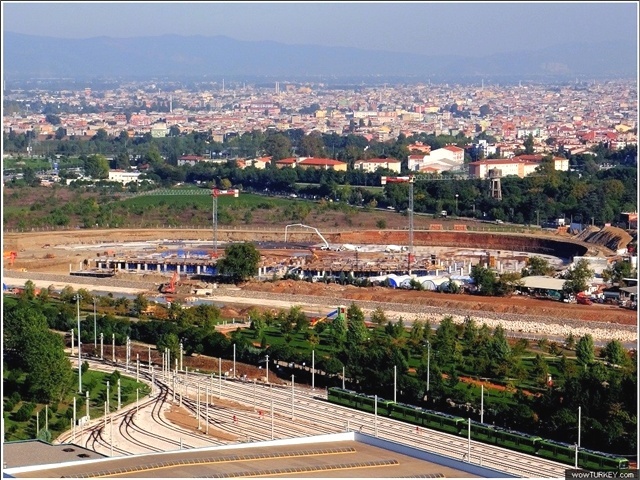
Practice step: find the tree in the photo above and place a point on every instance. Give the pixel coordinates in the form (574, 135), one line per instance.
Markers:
(31, 347)
(618, 271)
(356, 329)
(240, 261)
(485, 279)
(585, 350)
(614, 352)
(52, 119)
(140, 303)
(379, 317)
(577, 277)
(536, 266)
(528, 145)
(277, 146)
(96, 166)
(61, 132)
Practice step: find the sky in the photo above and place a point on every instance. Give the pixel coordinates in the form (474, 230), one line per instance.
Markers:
(430, 28)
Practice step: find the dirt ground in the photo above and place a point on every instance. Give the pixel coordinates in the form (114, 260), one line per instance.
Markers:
(43, 252)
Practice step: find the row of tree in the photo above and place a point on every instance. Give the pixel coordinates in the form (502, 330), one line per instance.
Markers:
(607, 395)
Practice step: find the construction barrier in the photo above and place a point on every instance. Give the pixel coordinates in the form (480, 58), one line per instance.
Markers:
(460, 228)
(435, 226)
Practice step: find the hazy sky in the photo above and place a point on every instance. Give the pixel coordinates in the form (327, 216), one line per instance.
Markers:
(419, 27)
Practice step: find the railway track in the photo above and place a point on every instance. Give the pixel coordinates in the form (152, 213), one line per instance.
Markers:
(248, 416)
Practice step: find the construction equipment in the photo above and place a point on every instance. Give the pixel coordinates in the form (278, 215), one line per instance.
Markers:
(582, 299)
(339, 312)
(171, 286)
(11, 256)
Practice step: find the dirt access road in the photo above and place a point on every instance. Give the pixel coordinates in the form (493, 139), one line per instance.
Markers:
(45, 252)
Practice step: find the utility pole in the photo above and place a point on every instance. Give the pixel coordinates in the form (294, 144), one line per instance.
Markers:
(215, 193)
(410, 180)
(95, 325)
(79, 347)
(313, 369)
(395, 377)
(428, 361)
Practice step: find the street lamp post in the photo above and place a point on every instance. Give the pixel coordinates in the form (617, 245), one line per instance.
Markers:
(101, 346)
(482, 403)
(428, 363)
(271, 391)
(234, 360)
(79, 346)
(578, 444)
(95, 326)
(456, 204)
(267, 356)
(313, 369)
(293, 417)
(395, 382)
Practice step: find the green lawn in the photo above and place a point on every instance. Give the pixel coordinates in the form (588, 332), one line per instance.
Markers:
(244, 201)
(60, 414)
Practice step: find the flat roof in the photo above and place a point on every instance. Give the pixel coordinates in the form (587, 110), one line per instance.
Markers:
(538, 281)
(36, 452)
(291, 458)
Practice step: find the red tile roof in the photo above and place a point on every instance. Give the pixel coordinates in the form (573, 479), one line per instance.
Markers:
(320, 161)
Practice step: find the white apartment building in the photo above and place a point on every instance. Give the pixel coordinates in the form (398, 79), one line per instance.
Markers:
(373, 164)
(124, 177)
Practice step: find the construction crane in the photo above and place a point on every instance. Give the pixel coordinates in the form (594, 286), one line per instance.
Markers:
(215, 193)
(410, 180)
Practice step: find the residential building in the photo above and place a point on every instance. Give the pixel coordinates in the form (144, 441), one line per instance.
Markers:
(372, 164)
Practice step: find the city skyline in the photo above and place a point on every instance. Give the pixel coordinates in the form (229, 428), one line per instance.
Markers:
(427, 28)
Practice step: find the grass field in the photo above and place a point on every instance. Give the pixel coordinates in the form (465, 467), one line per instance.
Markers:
(244, 201)
(58, 416)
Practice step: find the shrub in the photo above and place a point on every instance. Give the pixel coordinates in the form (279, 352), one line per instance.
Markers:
(9, 405)
(24, 412)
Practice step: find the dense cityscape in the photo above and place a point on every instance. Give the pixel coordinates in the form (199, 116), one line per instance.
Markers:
(289, 241)
(571, 116)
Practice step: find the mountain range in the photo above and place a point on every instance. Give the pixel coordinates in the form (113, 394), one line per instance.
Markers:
(32, 56)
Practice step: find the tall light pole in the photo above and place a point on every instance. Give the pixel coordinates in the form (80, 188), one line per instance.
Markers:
(343, 377)
(293, 416)
(456, 204)
(375, 415)
(271, 391)
(181, 353)
(77, 297)
(578, 444)
(234, 360)
(313, 369)
(395, 382)
(95, 325)
(215, 193)
(101, 346)
(482, 403)
(267, 356)
(428, 363)
(410, 180)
